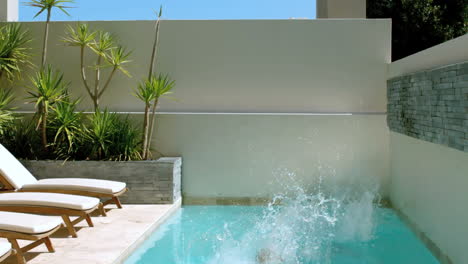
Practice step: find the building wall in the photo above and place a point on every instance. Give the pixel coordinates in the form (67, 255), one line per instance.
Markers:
(428, 181)
(341, 8)
(276, 66)
(231, 155)
(9, 10)
(428, 184)
(244, 66)
(450, 52)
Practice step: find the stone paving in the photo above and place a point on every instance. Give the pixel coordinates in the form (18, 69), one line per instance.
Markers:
(111, 241)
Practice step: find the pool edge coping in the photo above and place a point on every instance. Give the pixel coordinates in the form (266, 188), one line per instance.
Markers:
(147, 233)
(435, 250)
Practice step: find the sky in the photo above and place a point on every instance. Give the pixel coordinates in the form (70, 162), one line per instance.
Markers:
(178, 9)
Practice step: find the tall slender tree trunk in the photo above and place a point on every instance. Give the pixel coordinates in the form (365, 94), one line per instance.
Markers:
(96, 83)
(95, 103)
(83, 72)
(144, 154)
(155, 49)
(43, 63)
(46, 38)
(111, 75)
(151, 126)
(44, 126)
(154, 54)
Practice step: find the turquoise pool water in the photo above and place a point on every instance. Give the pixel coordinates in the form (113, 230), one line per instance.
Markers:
(237, 235)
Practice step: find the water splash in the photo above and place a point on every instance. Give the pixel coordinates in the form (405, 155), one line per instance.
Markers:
(302, 225)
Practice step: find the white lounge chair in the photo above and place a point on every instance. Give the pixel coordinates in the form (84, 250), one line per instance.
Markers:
(14, 176)
(5, 250)
(64, 205)
(37, 228)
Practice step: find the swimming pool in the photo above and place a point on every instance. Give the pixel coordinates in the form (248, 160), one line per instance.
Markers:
(237, 235)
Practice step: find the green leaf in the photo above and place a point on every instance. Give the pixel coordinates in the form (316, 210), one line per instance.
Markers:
(14, 54)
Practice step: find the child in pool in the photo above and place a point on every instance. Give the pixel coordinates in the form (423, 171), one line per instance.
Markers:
(266, 256)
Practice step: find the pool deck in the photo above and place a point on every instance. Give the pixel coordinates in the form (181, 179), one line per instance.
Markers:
(111, 241)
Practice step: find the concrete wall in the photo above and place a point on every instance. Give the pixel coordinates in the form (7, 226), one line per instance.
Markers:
(429, 184)
(341, 8)
(9, 10)
(245, 155)
(279, 66)
(428, 181)
(245, 66)
(450, 52)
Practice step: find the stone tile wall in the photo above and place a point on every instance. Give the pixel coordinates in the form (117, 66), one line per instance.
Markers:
(431, 105)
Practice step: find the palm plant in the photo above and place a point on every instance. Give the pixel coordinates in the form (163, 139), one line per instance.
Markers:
(6, 116)
(100, 132)
(108, 53)
(125, 142)
(146, 93)
(110, 138)
(150, 91)
(66, 124)
(22, 140)
(48, 5)
(48, 89)
(82, 37)
(6, 98)
(115, 58)
(13, 53)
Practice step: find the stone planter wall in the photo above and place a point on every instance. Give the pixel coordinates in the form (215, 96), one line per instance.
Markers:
(150, 182)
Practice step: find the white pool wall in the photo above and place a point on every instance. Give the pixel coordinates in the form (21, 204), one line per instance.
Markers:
(229, 72)
(429, 182)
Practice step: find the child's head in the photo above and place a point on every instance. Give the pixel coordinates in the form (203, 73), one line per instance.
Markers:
(266, 256)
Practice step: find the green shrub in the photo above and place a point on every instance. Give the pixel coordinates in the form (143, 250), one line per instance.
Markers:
(48, 88)
(23, 140)
(13, 53)
(126, 141)
(58, 130)
(67, 129)
(110, 138)
(6, 116)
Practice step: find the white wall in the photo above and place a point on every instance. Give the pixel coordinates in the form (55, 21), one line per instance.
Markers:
(429, 184)
(450, 52)
(247, 66)
(341, 8)
(280, 66)
(241, 155)
(428, 181)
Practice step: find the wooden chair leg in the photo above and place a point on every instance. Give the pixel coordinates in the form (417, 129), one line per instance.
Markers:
(49, 245)
(101, 208)
(18, 251)
(117, 202)
(89, 221)
(69, 225)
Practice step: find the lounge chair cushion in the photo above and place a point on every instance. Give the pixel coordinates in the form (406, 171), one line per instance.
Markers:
(28, 223)
(67, 201)
(13, 171)
(5, 247)
(90, 185)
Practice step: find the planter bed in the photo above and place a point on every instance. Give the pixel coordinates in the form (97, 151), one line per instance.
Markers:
(150, 182)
